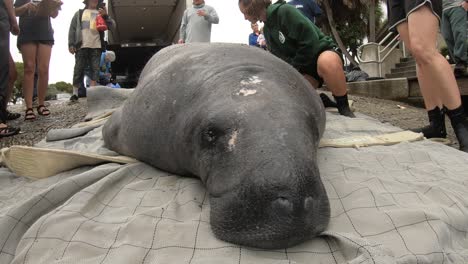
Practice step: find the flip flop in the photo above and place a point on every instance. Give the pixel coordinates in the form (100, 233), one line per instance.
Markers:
(8, 131)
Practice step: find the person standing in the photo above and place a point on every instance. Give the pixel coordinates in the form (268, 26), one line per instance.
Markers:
(7, 24)
(296, 40)
(253, 37)
(454, 30)
(87, 43)
(196, 23)
(308, 8)
(417, 22)
(35, 42)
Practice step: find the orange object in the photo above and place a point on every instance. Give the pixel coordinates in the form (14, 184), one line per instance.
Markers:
(100, 23)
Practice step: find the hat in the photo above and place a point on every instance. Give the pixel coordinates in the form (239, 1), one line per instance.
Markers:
(111, 55)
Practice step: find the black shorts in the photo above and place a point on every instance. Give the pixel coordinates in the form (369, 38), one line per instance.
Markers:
(399, 10)
(44, 42)
(312, 69)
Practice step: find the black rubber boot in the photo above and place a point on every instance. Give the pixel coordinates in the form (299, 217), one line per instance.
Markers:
(327, 102)
(460, 126)
(343, 106)
(436, 127)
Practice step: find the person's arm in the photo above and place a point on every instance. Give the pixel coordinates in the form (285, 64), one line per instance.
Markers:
(298, 28)
(212, 16)
(72, 34)
(25, 9)
(55, 10)
(14, 29)
(183, 27)
(110, 23)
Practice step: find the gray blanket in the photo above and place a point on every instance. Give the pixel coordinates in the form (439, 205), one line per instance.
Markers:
(406, 203)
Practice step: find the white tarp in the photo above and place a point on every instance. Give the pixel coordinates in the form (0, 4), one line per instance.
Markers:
(405, 203)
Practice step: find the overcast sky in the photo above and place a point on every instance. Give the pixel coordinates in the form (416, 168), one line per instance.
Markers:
(231, 28)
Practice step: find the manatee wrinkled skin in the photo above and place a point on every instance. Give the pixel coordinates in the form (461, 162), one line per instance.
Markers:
(244, 122)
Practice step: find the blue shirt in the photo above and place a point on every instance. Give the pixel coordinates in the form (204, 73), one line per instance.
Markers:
(309, 8)
(104, 67)
(253, 39)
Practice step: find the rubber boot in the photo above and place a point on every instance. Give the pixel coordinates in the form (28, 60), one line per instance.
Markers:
(343, 106)
(436, 127)
(327, 102)
(460, 126)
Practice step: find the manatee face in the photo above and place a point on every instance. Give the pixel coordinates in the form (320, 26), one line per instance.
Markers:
(244, 122)
(258, 163)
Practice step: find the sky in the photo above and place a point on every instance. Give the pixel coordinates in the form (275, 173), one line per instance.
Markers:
(231, 28)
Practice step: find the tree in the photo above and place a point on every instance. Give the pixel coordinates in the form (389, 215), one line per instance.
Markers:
(64, 87)
(358, 19)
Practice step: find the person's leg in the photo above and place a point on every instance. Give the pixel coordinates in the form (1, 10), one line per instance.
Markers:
(5, 130)
(78, 71)
(434, 72)
(12, 76)
(330, 69)
(433, 69)
(43, 60)
(4, 66)
(29, 52)
(95, 58)
(458, 17)
(446, 30)
(433, 104)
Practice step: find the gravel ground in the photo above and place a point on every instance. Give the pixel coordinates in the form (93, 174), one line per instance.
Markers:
(63, 116)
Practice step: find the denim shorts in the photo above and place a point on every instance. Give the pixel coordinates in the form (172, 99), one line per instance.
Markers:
(399, 10)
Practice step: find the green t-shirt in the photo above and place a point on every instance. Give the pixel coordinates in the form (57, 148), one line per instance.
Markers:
(293, 38)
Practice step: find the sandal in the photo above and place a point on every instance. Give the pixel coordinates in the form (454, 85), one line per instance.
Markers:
(42, 110)
(29, 115)
(8, 131)
(12, 116)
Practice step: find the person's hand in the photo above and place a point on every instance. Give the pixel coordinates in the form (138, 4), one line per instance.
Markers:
(14, 28)
(181, 41)
(464, 4)
(201, 12)
(31, 8)
(103, 11)
(72, 50)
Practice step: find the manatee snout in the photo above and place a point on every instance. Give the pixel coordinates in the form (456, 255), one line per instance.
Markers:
(271, 214)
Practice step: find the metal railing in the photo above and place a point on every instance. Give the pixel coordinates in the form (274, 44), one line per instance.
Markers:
(382, 52)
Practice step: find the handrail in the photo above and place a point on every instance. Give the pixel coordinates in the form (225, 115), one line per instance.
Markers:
(380, 51)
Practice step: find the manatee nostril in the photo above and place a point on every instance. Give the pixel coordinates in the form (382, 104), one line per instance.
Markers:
(282, 203)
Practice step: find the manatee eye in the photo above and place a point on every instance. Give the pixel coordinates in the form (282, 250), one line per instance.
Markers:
(210, 136)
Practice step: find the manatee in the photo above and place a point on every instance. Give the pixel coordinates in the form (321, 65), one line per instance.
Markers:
(246, 124)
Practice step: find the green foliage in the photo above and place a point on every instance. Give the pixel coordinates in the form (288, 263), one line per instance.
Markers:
(18, 87)
(64, 87)
(352, 21)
